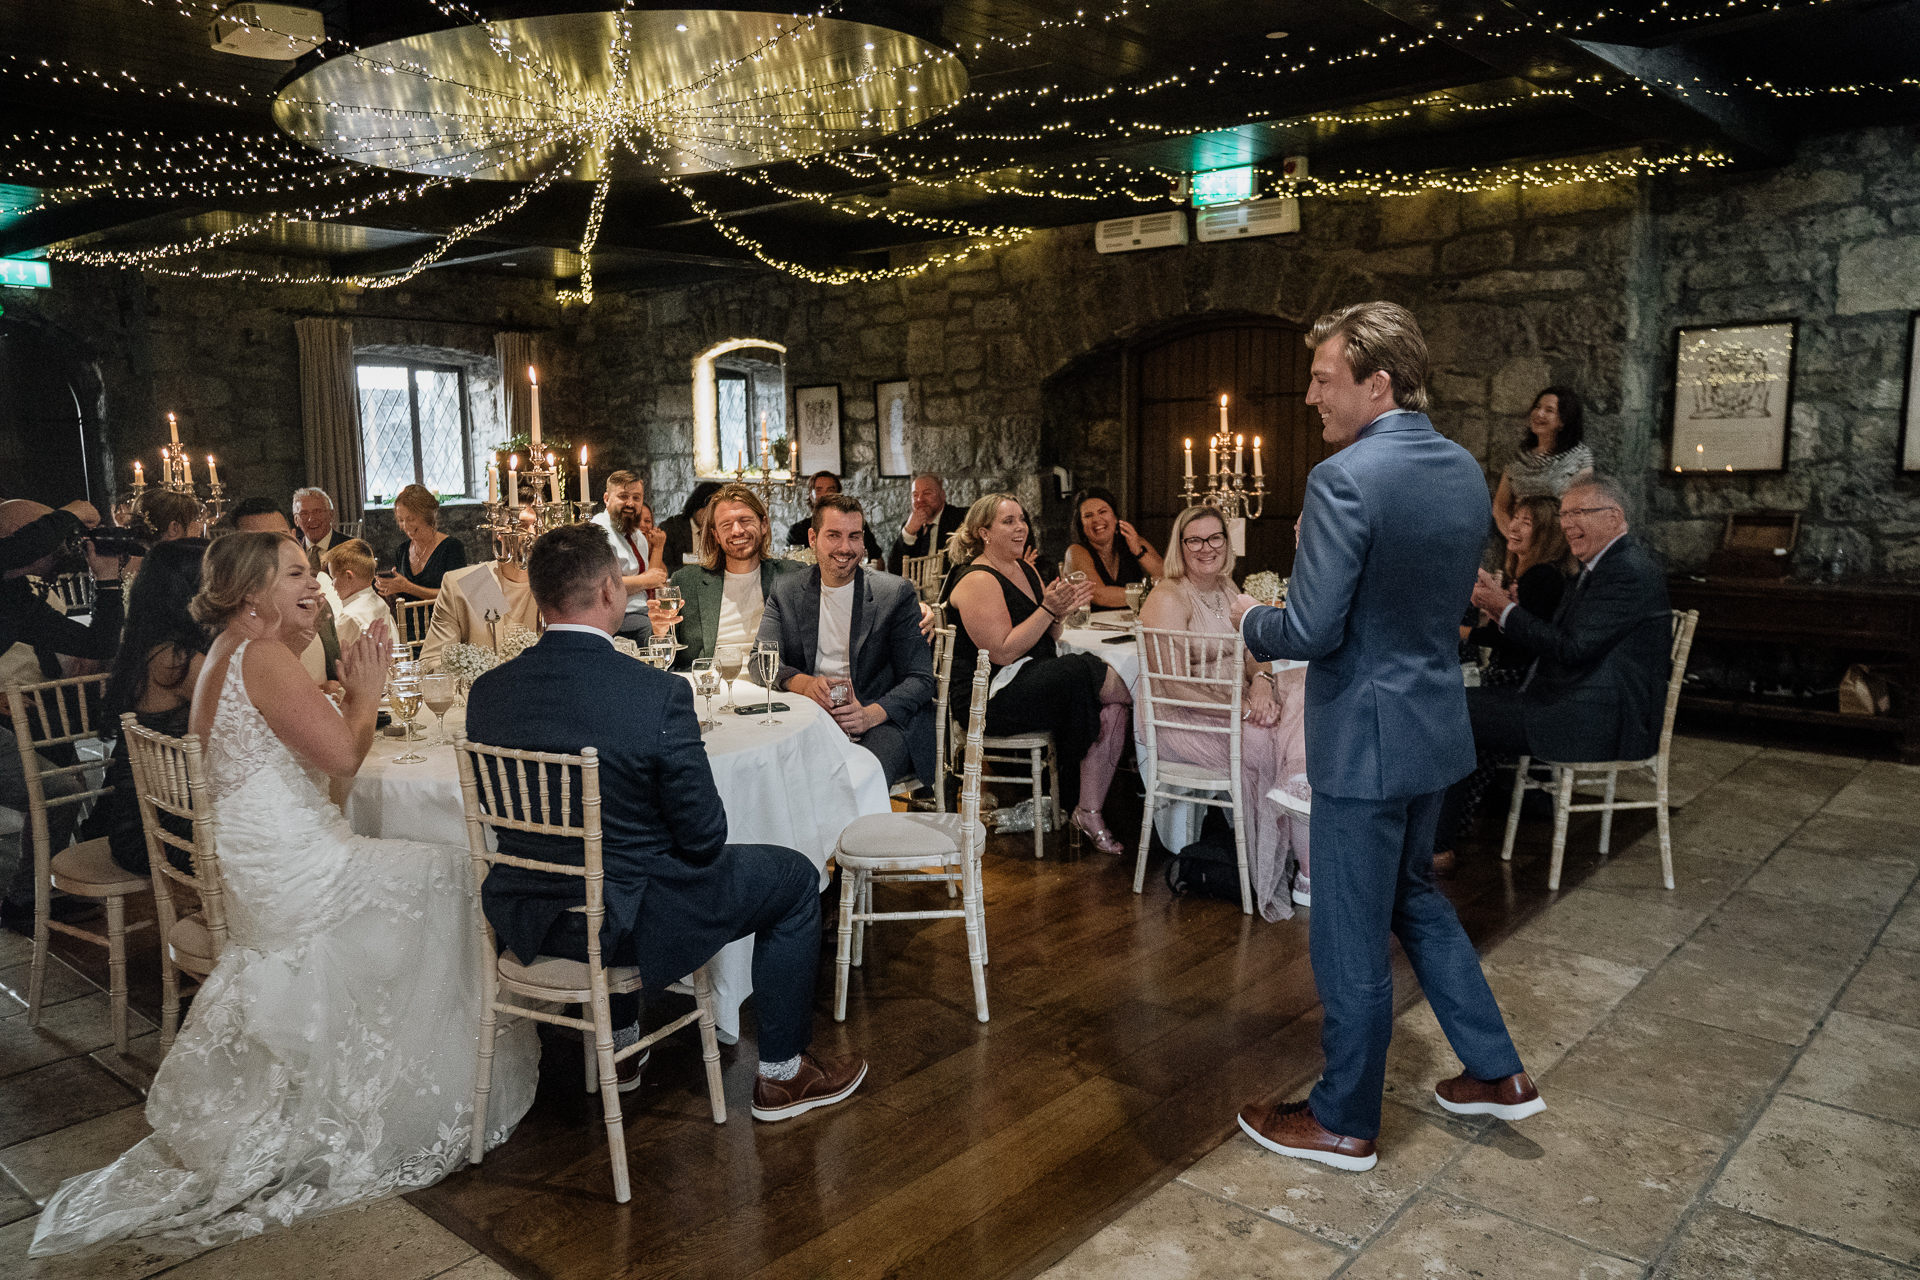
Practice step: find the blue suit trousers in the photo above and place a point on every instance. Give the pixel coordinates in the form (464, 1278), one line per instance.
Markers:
(1373, 872)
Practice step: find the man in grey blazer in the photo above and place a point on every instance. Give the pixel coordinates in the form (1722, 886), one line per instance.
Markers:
(848, 631)
(1389, 543)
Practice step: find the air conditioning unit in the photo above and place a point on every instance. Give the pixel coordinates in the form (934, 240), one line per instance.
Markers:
(1254, 218)
(1148, 231)
(276, 31)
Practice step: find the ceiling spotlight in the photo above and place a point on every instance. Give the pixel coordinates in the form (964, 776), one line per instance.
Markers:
(679, 26)
(509, 264)
(867, 46)
(1276, 35)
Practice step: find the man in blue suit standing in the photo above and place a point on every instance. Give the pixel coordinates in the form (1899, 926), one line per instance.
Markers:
(676, 891)
(1389, 545)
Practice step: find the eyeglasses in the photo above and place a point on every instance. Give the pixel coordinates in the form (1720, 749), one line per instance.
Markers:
(1581, 513)
(1212, 542)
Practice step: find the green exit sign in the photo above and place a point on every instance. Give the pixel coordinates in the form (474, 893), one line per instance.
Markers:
(24, 273)
(1223, 186)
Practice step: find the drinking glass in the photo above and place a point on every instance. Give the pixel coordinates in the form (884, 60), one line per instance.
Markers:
(1084, 614)
(1135, 590)
(707, 683)
(439, 692)
(659, 653)
(729, 659)
(766, 668)
(403, 697)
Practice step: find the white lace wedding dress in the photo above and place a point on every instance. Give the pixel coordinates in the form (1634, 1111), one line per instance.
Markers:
(329, 1058)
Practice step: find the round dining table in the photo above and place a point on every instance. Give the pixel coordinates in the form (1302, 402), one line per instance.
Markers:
(796, 783)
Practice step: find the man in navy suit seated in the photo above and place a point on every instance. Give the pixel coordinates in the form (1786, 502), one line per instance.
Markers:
(1598, 687)
(676, 891)
(850, 639)
(1390, 534)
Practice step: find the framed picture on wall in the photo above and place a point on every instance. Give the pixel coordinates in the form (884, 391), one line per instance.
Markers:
(816, 417)
(893, 425)
(1732, 393)
(1910, 403)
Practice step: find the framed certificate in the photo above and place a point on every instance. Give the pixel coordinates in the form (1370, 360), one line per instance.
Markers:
(893, 424)
(1732, 393)
(816, 417)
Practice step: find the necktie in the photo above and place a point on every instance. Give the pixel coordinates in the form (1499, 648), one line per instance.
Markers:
(640, 560)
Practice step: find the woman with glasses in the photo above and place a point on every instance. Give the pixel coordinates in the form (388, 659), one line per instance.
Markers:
(1005, 611)
(1107, 549)
(1196, 595)
(1551, 457)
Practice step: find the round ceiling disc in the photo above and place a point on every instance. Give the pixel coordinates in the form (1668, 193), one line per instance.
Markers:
(691, 91)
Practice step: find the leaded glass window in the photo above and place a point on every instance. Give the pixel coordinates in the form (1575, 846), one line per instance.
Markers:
(413, 425)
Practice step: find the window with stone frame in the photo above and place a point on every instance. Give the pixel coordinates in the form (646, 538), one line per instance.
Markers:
(414, 427)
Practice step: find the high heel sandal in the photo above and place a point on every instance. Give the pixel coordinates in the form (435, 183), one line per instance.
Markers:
(1096, 830)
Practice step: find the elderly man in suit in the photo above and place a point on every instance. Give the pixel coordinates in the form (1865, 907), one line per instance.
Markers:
(1597, 690)
(676, 891)
(850, 639)
(1389, 541)
(929, 524)
(313, 517)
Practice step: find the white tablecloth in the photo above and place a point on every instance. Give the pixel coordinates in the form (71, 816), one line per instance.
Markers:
(798, 783)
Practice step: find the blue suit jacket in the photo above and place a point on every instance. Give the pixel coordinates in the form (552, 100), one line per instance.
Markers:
(662, 823)
(1390, 541)
(892, 662)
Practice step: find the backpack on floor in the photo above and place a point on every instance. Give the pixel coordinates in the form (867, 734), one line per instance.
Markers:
(1209, 867)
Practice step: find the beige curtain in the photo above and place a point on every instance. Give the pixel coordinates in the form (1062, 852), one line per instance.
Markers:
(330, 413)
(515, 351)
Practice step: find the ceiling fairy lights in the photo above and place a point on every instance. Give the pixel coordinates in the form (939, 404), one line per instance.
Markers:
(864, 113)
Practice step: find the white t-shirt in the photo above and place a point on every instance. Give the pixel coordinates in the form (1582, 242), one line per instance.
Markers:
(741, 604)
(834, 654)
(632, 551)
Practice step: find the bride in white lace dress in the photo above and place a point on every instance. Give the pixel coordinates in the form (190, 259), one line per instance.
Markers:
(329, 1058)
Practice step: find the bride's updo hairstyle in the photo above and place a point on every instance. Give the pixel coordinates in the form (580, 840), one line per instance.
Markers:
(237, 566)
(966, 542)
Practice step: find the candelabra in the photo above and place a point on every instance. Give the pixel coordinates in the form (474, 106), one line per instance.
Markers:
(176, 476)
(765, 487)
(1227, 490)
(515, 524)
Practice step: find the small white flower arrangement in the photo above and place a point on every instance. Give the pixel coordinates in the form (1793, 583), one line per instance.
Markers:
(516, 641)
(803, 555)
(1267, 586)
(468, 661)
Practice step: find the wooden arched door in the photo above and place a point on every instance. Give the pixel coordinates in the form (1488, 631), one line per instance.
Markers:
(1174, 393)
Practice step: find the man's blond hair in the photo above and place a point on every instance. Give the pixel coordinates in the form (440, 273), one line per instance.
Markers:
(1381, 337)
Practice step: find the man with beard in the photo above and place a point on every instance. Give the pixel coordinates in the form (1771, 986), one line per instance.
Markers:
(724, 595)
(636, 548)
(850, 639)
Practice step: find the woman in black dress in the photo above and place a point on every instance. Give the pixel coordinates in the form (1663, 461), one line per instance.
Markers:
(1107, 549)
(1006, 612)
(153, 677)
(416, 567)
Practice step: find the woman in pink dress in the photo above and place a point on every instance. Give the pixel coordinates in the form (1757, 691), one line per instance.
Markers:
(1195, 595)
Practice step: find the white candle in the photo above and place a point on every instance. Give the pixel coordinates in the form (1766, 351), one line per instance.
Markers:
(534, 382)
(186, 469)
(173, 426)
(166, 466)
(1189, 457)
(740, 458)
(1213, 456)
(586, 478)
(1257, 473)
(793, 450)
(213, 472)
(139, 476)
(1223, 415)
(553, 480)
(513, 482)
(493, 481)
(1239, 455)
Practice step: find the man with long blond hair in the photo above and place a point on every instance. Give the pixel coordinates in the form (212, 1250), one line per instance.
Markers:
(1389, 545)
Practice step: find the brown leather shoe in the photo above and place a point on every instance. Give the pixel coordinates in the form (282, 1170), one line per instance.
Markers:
(1513, 1098)
(1444, 863)
(819, 1084)
(1290, 1130)
(626, 1072)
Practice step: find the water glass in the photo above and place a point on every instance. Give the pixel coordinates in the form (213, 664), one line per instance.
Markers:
(1084, 614)
(1135, 590)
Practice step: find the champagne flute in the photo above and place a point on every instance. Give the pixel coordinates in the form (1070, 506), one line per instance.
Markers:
(729, 659)
(439, 691)
(404, 697)
(766, 666)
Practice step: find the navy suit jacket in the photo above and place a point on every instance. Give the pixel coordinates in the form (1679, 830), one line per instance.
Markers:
(1599, 689)
(662, 823)
(892, 663)
(1390, 541)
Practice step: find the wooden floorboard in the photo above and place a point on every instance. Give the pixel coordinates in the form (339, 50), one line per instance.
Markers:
(1127, 1030)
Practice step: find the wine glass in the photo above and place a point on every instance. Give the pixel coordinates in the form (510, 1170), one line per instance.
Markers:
(707, 683)
(403, 696)
(766, 668)
(659, 652)
(1134, 591)
(729, 659)
(439, 691)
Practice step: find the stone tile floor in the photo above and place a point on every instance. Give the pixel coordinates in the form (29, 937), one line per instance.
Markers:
(1731, 1069)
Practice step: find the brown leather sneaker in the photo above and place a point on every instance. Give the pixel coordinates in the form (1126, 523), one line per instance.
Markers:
(1290, 1130)
(819, 1084)
(1513, 1098)
(626, 1072)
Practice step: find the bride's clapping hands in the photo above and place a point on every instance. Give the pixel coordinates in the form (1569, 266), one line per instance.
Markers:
(363, 664)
